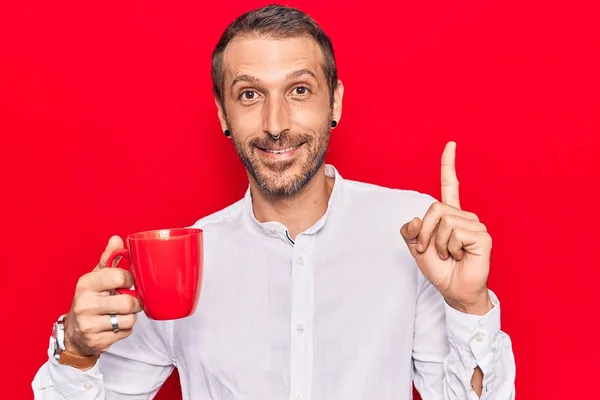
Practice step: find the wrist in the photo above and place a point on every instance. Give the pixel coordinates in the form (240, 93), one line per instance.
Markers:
(71, 348)
(65, 353)
(68, 342)
(479, 305)
(71, 345)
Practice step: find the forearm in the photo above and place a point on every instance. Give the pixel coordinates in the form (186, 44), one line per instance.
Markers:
(481, 357)
(58, 382)
(134, 367)
(461, 356)
(480, 306)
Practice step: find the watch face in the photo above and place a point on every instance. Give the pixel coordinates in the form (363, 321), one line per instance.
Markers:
(58, 336)
(54, 329)
(56, 350)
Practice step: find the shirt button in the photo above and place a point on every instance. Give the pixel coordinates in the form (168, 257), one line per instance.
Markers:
(301, 260)
(479, 336)
(88, 385)
(300, 329)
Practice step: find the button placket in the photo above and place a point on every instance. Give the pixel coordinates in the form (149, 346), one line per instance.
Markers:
(302, 304)
(301, 261)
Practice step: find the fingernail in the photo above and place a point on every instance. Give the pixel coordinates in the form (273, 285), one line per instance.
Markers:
(419, 247)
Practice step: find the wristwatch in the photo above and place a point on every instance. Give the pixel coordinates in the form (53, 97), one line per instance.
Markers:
(63, 356)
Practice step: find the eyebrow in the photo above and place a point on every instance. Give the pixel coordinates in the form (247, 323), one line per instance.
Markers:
(292, 75)
(245, 78)
(301, 72)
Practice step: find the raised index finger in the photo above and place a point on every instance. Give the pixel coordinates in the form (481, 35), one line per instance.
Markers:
(449, 179)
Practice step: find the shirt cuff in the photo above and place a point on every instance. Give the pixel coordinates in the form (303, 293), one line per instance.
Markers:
(478, 333)
(73, 383)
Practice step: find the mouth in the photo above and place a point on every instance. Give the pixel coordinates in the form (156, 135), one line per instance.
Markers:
(280, 154)
(281, 151)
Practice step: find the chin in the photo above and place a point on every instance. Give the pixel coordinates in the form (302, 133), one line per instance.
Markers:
(283, 176)
(285, 181)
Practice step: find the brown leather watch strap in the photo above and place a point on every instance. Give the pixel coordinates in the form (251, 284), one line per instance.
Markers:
(77, 361)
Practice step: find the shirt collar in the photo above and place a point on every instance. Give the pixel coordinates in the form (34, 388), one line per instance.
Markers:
(276, 228)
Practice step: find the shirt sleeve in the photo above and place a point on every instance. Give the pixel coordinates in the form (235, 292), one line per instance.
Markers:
(133, 368)
(449, 345)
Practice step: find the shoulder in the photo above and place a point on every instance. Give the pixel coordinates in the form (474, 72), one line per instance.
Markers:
(385, 201)
(222, 217)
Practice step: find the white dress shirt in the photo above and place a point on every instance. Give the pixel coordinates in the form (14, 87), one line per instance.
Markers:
(343, 312)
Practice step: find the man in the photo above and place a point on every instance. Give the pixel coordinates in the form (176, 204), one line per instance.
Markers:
(315, 287)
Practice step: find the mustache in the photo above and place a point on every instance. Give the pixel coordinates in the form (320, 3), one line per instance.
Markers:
(286, 140)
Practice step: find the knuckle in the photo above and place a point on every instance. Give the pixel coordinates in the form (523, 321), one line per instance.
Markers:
(124, 303)
(447, 220)
(488, 239)
(85, 327)
(77, 309)
(119, 278)
(80, 306)
(473, 217)
(83, 282)
(127, 321)
(131, 303)
(444, 221)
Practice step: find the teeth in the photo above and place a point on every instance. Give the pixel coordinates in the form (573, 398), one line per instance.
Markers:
(282, 151)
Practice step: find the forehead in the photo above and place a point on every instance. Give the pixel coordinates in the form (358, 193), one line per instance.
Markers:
(271, 59)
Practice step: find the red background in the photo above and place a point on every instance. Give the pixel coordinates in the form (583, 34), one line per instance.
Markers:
(108, 126)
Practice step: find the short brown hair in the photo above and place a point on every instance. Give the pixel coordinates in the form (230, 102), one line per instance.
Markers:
(279, 22)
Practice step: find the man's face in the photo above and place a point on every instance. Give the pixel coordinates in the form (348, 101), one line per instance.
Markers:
(278, 87)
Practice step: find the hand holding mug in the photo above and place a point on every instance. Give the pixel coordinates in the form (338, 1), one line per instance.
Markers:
(88, 327)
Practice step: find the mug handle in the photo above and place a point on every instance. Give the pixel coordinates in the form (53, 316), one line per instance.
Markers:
(109, 264)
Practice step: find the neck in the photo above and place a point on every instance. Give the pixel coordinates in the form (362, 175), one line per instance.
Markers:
(297, 212)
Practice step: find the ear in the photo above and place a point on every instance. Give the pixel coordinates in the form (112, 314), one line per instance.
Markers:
(338, 95)
(221, 115)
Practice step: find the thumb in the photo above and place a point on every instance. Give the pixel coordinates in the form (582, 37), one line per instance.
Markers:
(410, 232)
(114, 243)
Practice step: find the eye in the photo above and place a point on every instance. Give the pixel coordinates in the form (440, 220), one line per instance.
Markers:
(248, 95)
(301, 91)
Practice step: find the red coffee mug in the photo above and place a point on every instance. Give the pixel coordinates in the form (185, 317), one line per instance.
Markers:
(167, 268)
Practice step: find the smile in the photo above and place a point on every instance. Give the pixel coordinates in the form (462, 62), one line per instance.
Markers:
(276, 155)
(282, 150)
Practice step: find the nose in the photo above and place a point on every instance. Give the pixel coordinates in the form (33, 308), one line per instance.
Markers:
(276, 116)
